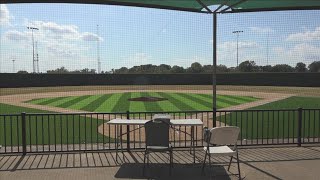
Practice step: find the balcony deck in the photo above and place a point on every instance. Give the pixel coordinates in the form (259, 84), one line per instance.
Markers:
(256, 163)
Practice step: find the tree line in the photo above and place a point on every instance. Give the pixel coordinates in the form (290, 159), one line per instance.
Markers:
(196, 67)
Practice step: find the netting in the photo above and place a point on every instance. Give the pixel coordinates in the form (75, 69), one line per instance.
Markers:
(73, 55)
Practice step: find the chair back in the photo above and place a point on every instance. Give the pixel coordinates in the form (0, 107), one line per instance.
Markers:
(162, 117)
(157, 133)
(224, 135)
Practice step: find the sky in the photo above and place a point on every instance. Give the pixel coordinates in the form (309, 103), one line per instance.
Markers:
(129, 36)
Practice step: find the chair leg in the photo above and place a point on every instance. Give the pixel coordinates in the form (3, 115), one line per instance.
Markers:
(144, 162)
(204, 163)
(170, 164)
(171, 158)
(238, 166)
(230, 163)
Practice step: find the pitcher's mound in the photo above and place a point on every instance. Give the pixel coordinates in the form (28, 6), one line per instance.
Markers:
(147, 99)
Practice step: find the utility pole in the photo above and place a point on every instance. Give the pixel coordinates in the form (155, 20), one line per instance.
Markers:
(98, 51)
(13, 68)
(237, 33)
(33, 55)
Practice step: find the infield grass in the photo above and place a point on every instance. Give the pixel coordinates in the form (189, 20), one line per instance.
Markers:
(118, 102)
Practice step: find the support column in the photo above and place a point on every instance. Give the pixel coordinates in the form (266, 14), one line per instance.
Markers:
(214, 74)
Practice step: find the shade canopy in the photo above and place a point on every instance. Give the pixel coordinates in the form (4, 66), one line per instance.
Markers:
(221, 6)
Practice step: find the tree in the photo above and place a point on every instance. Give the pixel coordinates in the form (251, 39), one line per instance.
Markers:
(61, 70)
(207, 69)
(222, 68)
(282, 68)
(314, 67)
(122, 70)
(177, 69)
(267, 68)
(163, 68)
(301, 67)
(247, 66)
(22, 72)
(195, 68)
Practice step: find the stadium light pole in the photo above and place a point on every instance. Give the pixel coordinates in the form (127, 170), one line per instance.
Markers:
(33, 57)
(237, 33)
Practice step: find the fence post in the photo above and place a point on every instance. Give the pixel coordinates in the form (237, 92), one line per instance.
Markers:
(299, 126)
(23, 133)
(128, 132)
(214, 117)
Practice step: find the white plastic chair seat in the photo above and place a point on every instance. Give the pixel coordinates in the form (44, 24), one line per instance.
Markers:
(221, 151)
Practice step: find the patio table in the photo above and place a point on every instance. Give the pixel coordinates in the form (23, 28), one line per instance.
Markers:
(174, 122)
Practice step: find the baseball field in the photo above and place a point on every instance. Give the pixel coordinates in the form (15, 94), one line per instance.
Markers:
(146, 99)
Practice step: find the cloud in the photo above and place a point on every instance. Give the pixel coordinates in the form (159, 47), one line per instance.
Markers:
(16, 36)
(299, 53)
(232, 45)
(91, 37)
(63, 32)
(261, 30)
(61, 51)
(140, 57)
(305, 36)
(4, 14)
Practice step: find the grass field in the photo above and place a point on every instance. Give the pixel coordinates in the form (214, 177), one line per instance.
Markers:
(118, 102)
(280, 124)
(76, 129)
(69, 129)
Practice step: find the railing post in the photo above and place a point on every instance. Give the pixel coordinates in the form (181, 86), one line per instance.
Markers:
(299, 126)
(128, 132)
(23, 133)
(214, 117)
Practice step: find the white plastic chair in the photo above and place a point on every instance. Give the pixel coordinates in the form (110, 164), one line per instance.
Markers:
(218, 140)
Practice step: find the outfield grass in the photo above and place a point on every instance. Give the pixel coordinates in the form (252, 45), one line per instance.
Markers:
(299, 91)
(48, 129)
(282, 124)
(118, 102)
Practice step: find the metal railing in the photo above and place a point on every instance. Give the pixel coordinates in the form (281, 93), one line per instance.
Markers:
(62, 132)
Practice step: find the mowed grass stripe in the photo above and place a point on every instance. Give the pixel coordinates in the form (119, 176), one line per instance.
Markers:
(73, 101)
(220, 100)
(122, 105)
(81, 104)
(136, 106)
(244, 98)
(183, 97)
(49, 101)
(61, 101)
(209, 100)
(151, 106)
(165, 105)
(109, 104)
(96, 103)
(233, 99)
(174, 99)
(198, 99)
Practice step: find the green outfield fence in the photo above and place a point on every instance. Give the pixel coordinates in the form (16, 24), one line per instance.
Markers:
(64, 132)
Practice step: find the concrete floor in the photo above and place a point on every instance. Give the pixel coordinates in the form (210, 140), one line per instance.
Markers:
(256, 163)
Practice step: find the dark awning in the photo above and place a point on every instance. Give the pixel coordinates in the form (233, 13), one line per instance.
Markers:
(197, 5)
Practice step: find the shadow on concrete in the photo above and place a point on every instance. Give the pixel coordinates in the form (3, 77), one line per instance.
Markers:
(179, 171)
